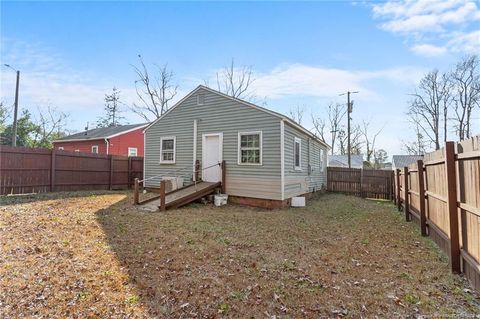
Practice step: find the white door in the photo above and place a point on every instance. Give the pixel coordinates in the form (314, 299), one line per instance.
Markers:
(212, 156)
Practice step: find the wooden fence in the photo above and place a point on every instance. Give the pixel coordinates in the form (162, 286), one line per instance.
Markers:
(369, 183)
(30, 170)
(442, 194)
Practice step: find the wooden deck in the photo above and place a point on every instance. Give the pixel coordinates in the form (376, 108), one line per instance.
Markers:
(182, 196)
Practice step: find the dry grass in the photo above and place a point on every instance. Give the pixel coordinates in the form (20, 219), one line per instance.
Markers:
(94, 255)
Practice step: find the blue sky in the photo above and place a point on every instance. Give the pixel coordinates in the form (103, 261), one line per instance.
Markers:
(302, 53)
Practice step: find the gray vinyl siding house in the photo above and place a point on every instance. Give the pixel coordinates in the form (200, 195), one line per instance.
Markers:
(266, 170)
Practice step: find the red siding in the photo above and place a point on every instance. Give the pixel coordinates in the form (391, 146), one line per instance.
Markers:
(118, 145)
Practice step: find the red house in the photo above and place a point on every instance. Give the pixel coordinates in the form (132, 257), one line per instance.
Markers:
(125, 140)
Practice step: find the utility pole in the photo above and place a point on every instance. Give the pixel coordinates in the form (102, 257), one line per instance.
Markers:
(349, 110)
(15, 112)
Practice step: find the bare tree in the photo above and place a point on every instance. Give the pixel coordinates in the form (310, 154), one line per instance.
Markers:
(336, 113)
(446, 89)
(296, 114)
(428, 103)
(154, 92)
(319, 126)
(113, 112)
(235, 81)
(356, 141)
(369, 140)
(466, 96)
(419, 145)
(51, 125)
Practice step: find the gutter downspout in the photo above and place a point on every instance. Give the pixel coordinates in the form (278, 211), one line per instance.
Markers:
(106, 141)
(194, 148)
(282, 158)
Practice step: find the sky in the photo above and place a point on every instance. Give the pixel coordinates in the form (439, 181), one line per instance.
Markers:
(304, 54)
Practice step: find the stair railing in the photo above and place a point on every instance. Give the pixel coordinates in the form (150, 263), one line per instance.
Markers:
(162, 190)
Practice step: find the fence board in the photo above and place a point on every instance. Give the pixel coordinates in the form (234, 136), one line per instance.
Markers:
(359, 182)
(25, 170)
(464, 208)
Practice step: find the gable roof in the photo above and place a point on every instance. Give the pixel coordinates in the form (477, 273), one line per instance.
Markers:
(342, 161)
(405, 160)
(101, 133)
(262, 109)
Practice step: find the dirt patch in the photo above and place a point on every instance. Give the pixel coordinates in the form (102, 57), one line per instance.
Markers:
(94, 255)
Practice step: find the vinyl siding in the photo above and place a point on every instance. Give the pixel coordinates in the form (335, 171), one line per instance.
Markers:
(218, 115)
(306, 180)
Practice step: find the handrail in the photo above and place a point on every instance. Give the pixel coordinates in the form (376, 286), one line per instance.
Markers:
(179, 170)
(136, 198)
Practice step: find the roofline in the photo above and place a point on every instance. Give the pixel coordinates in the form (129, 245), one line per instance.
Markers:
(276, 114)
(101, 137)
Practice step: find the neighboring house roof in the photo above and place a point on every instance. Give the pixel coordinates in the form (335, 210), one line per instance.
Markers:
(101, 133)
(404, 160)
(342, 161)
(280, 116)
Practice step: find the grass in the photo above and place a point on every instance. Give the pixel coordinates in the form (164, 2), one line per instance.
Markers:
(94, 255)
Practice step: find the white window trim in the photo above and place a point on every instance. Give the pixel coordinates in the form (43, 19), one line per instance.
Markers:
(239, 153)
(95, 147)
(77, 151)
(60, 148)
(174, 138)
(201, 96)
(132, 148)
(299, 141)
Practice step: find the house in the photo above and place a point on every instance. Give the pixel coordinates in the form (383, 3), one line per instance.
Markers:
(125, 140)
(356, 161)
(400, 161)
(269, 158)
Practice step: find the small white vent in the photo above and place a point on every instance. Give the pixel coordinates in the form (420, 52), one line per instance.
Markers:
(201, 99)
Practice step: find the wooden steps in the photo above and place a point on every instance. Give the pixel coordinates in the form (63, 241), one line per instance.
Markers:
(182, 196)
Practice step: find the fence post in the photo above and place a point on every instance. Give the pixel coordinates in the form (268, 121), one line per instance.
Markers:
(136, 189)
(397, 182)
(223, 188)
(406, 202)
(392, 190)
(52, 171)
(110, 179)
(452, 206)
(162, 196)
(421, 195)
(129, 172)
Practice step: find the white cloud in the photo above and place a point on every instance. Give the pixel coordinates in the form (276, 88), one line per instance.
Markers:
(304, 80)
(466, 42)
(450, 20)
(428, 50)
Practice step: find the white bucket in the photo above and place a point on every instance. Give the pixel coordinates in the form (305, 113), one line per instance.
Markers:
(298, 202)
(220, 199)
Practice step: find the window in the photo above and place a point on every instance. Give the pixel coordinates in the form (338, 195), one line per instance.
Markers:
(167, 150)
(322, 160)
(132, 151)
(250, 148)
(60, 148)
(297, 154)
(201, 99)
(95, 149)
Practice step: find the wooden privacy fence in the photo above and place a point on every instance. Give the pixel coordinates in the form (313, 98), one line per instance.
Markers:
(369, 183)
(32, 170)
(442, 194)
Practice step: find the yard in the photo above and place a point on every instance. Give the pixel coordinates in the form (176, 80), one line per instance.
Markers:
(92, 254)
